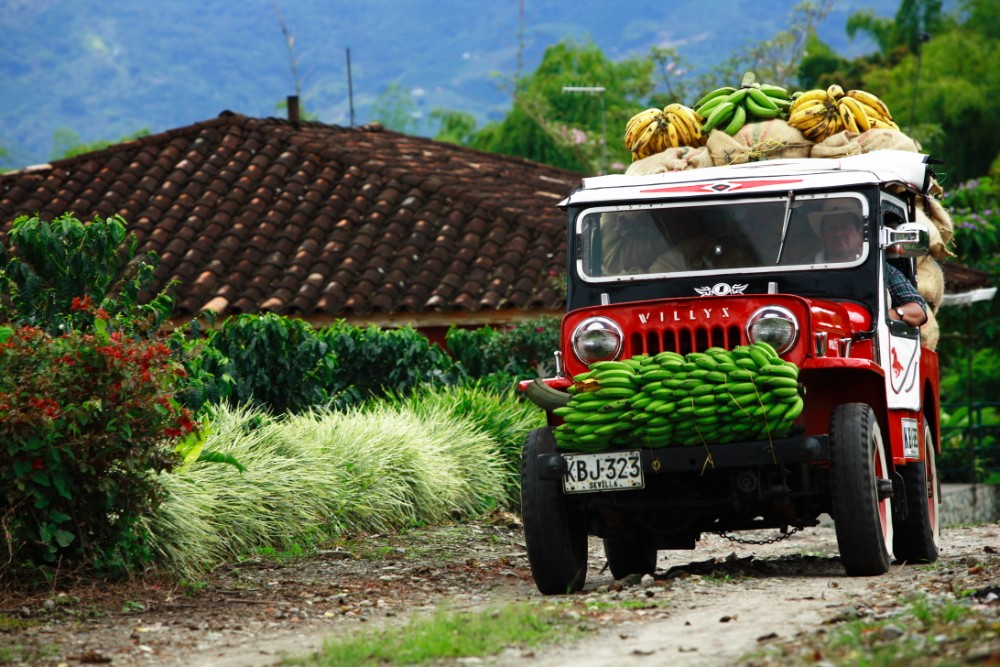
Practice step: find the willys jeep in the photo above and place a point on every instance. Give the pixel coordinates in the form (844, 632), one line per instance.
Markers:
(685, 268)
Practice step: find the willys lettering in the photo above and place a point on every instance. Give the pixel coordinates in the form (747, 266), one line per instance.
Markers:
(689, 315)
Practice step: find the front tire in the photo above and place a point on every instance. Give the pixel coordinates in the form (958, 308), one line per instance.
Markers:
(917, 537)
(862, 519)
(555, 534)
(632, 553)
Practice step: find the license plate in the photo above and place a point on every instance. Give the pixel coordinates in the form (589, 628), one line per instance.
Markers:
(608, 471)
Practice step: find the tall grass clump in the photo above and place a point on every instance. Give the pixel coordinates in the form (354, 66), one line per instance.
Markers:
(317, 475)
(505, 417)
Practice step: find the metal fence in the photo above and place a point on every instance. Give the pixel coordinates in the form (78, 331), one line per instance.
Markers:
(970, 446)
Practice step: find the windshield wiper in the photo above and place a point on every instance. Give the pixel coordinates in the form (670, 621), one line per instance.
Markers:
(784, 226)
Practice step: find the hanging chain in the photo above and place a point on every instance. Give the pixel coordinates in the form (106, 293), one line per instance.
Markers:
(740, 540)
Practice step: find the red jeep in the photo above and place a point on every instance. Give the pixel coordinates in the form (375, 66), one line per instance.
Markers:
(686, 265)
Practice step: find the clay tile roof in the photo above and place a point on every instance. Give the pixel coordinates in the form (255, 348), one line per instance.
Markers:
(319, 221)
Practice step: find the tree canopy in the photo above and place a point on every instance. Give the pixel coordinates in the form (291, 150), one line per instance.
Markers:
(936, 71)
(565, 128)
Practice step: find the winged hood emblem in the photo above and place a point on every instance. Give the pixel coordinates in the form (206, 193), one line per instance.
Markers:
(721, 289)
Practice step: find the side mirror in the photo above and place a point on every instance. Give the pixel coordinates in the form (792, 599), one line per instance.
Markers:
(910, 239)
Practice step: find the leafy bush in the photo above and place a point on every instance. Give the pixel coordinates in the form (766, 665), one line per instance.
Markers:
(70, 275)
(284, 365)
(274, 362)
(975, 209)
(971, 334)
(372, 362)
(87, 408)
(498, 358)
(84, 419)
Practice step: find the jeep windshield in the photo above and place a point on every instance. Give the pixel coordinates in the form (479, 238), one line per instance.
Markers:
(626, 243)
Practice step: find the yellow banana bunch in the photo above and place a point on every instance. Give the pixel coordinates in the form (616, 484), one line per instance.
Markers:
(729, 108)
(637, 124)
(816, 113)
(655, 130)
(645, 133)
(686, 122)
(820, 113)
(874, 109)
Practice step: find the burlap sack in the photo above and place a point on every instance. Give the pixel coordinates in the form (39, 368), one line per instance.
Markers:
(930, 332)
(930, 281)
(768, 140)
(672, 159)
(939, 214)
(883, 139)
(939, 249)
(841, 144)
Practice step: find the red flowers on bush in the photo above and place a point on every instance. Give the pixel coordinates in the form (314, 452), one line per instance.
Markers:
(85, 419)
(82, 303)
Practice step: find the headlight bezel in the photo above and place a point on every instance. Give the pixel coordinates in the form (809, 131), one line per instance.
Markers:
(769, 316)
(596, 325)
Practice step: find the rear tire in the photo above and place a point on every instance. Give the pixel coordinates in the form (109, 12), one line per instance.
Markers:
(863, 522)
(555, 533)
(917, 537)
(632, 553)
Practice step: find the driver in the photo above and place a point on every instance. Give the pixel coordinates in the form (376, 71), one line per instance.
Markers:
(842, 235)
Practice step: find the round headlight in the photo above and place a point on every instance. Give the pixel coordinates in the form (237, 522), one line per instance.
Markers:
(774, 325)
(597, 339)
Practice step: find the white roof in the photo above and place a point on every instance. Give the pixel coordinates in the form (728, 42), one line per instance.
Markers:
(886, 166)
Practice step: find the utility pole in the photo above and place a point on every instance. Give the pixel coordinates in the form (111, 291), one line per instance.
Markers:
(350, 85)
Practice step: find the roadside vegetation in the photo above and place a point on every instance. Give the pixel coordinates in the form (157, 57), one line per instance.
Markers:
(131, 449)
(925, 630)
(449, 634)
(311, 477)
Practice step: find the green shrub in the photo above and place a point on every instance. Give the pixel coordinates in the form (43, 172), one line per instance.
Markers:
(282, 364)
(474, 350)
(498, 358)
(87, 408)
(274, 362)
(85, 419)
(70, 275)
(372, 362)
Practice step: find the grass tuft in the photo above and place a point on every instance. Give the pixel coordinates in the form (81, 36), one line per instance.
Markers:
(314, 476)
(505, 417)
(447, 635)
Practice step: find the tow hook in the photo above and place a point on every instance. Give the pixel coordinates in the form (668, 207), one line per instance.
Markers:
(551, 467)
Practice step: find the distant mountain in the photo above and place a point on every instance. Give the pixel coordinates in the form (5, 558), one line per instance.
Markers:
(103, 70)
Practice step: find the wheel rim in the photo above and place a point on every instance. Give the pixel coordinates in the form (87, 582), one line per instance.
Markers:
(881, 472)
(933, 484)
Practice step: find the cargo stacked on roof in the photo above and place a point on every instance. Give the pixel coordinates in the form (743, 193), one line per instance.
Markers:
(760, 121)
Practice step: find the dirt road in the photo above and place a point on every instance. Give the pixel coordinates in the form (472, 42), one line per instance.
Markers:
(706, 607)
(739, 598)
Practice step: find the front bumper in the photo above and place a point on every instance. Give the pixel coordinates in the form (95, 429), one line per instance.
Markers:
(702, 458)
